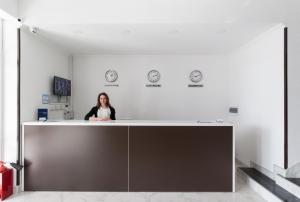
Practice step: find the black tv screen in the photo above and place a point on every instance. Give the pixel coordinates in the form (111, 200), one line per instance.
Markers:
(61, 87)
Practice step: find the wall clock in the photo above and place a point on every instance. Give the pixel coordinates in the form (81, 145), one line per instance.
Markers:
(196, 76)
(153, 76)
(111, 75)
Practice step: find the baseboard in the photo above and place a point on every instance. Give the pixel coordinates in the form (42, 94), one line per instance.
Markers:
(239, 163)
(264, 193)
(263, 170)
(17, 189)
(294, 171)
(279, 171)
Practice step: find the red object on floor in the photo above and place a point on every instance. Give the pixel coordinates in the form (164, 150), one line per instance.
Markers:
(6, 181)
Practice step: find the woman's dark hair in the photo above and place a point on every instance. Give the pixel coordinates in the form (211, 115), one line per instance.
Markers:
(98, 100)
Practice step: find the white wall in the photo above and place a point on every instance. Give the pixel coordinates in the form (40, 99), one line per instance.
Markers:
(40, 61)
(174, 100)
(10, 6)
(257, 88)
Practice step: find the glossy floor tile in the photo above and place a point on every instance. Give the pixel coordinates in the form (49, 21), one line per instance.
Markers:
(270, 185)
(295, 181)
(242, 194)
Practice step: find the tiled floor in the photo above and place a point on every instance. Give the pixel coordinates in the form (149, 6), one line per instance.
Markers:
(242, 194)
(295, 181)
(270, 185)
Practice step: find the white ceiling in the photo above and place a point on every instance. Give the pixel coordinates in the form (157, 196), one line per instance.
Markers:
(153, 11)
(155, 26)
(152, 38)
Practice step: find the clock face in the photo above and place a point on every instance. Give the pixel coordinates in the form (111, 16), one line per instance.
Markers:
(111, 75)
(153, 76)
(196, 76)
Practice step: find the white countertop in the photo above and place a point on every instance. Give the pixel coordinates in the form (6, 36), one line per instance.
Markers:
(128, 123)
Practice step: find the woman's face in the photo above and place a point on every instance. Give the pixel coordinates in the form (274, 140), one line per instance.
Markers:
(103, 100)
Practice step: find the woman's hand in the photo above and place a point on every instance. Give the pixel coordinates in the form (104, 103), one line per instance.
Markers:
(93, 118)
(105, 119)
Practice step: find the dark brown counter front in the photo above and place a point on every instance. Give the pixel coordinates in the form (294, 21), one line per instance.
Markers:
(75, 158)
(180, 158)
(128, 158)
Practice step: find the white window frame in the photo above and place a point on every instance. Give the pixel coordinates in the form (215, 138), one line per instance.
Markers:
(1, 90)
(4, 18)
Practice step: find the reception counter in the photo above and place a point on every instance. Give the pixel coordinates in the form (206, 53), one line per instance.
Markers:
(162, 156)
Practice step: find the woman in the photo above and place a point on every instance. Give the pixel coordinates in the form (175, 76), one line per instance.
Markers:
(103, 111)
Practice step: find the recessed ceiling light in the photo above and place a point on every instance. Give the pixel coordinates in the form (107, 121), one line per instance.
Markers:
(246, 3)
(221, 31)
(78, 32)
(230, 20)
(174, 32)
(126, 32)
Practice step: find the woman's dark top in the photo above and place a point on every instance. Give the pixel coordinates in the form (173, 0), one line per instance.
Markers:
(94, 111)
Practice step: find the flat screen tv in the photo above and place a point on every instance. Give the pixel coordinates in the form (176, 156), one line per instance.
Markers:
(61, 87)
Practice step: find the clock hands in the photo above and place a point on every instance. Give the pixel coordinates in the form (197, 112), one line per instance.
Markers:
(111, 76)
(196, 76)
(153, 76)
